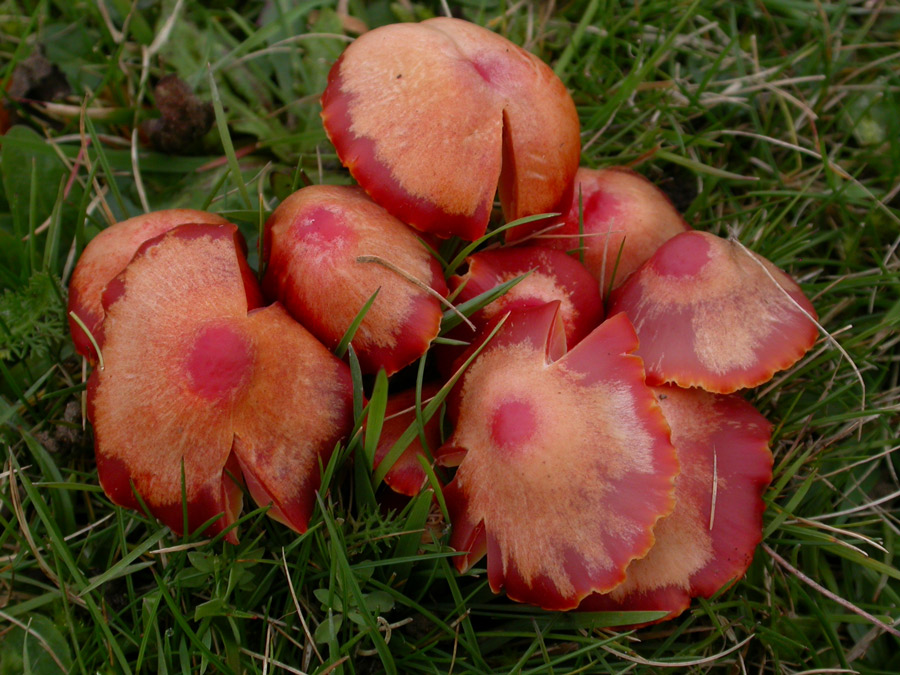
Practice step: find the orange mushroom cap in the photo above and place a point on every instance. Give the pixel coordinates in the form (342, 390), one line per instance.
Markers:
(313, 242)
(430, 117)
(106, 255)
(196, 392)
(624, 219)
(713, 315)
(708, 541)
(565, 463)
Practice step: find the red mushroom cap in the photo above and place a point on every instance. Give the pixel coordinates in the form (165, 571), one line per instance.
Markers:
(554, 276)
(106, 255)
(707, 542)
(624, 219)
(195, 387)
(711, 314)
(313, 241)
(567, 463)
(407, 476)
(429, 117)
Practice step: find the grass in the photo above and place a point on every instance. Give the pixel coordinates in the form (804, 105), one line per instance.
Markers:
(774, 122)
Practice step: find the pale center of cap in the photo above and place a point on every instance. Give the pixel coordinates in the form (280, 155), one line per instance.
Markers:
(219, 361)
(513, 425)
(683, 256)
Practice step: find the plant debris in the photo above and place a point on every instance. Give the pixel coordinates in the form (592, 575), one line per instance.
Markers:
(184, 117)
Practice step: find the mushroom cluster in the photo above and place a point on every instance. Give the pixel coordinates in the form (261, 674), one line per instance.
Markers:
(596, 450)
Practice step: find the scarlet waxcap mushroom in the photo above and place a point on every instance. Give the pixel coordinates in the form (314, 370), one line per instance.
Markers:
(106, 255)
(328, 249)
(711, 314)
(566, 463)
(624, 219)
(195, 392)
(708, 540)
(554, 276)
(406, 476)
(430, 117)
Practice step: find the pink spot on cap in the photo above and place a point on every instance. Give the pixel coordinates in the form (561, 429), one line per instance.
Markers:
(600, 208)
(323, 230)
(219, 362)
(513, 424)
(490, 68)
(682, 256)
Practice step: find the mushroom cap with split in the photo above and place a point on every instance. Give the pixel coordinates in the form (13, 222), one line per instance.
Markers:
(565, 463)
(431, 117)
(197, 394)
(105, 256)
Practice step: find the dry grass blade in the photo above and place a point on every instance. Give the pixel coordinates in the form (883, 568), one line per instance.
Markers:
(858, 509)
(828, 594)
(678, 664)
(828, 335)
(418, 283)
(278, 664)
(309, 637)
(26, 532)
(37, 636)
(775, 120)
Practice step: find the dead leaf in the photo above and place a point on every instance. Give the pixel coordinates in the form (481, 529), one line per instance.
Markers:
(184, 118)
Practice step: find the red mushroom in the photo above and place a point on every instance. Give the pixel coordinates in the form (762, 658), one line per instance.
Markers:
(711, 314)
(554, 276)
(329, 249)
(707, 542)
(551, 275)
(429, 117)
(406, 476)
(105, 256)
(624, 219)
(195, 392)
(565, 463)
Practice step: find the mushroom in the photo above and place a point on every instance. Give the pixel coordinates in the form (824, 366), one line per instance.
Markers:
(624, 218)
(708, 540)
(329, 249)
(105, 256)
(195, 392)
(565, 463)
(429, 117)
(711, 314)
(406, 476)
(548, 275)
(553, 276)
